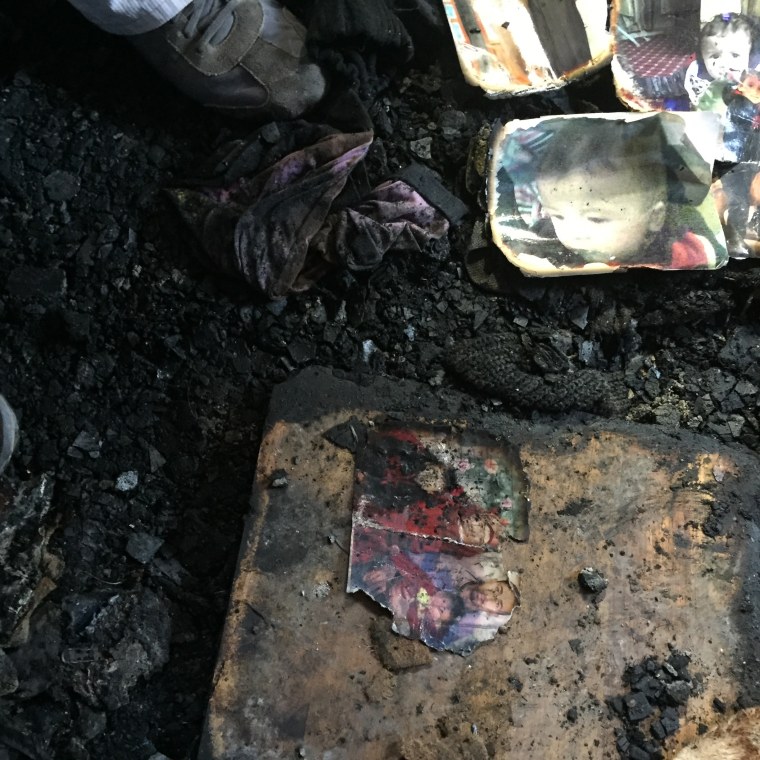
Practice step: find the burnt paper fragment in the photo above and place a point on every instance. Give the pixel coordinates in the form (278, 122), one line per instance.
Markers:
(432, 511)
(509, 47)
(604, 193)
(690, 55)
(430, 482)
(737, 197)
(447, 595)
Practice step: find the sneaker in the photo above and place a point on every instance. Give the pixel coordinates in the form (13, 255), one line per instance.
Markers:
(245, 57)
(8, 433)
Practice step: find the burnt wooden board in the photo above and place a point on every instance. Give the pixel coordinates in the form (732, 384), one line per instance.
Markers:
(299, 670)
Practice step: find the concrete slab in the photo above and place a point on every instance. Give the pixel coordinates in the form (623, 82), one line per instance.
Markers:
(671, 522)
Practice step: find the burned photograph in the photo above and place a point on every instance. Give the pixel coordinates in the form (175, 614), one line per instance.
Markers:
(595, 194)
(521, 46)
(439, 484)
(685, 55)
(446, 595)
(433, 508)
(655, 42)
(737, 198)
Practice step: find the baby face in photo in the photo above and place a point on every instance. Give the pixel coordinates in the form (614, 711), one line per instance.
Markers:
(726, 56)
(592, 194)
(604, 215)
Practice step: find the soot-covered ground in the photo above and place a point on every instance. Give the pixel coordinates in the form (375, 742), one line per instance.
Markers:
(141, 378)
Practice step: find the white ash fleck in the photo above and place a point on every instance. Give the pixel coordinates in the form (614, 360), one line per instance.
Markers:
(321, 590)
(127, 481)
(368, 348)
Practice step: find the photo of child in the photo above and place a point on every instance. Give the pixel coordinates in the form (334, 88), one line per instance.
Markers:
(383, 566)
(434, 510)
(681, 55)
(737, 197)
(593, 194)
(726, 56)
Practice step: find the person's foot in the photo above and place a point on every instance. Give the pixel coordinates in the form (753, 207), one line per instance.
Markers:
(8, 432)
(246, 57)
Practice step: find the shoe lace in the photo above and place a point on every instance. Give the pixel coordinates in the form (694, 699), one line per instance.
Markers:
(212, 18)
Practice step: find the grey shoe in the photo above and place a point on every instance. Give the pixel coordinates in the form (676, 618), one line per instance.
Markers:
(246, 57)
(8, 432)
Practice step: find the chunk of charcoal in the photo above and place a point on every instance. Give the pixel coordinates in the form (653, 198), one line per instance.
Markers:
(617, 705)
(637, 753)
(348, 435)
(622, 744)
(649, 686)
(61, 185)
(85, 443)
(572, 714)
(425, 181)
(302, 351)
(634, 674)
(143, 547)
(680, 662)
(669, 720)
(658, 730)
(637, 707)
(654, 752)
(719, 705)
(278, 479)
(592, 580)
(678, 692)
(8, 675)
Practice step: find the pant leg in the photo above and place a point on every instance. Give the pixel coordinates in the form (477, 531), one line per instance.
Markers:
(129, 16)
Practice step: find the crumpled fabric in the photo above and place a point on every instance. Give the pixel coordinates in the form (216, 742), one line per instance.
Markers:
(392, 216)
(279, 232)
(358, 40)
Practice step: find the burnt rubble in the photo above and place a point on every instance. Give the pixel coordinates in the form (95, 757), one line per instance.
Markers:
(141, 378)
(652, 708)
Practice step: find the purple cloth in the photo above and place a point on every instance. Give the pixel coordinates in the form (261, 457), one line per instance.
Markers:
(278, 230)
